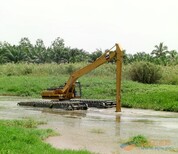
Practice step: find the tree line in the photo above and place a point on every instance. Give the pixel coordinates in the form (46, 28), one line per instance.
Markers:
(159, 55)
(57, 52)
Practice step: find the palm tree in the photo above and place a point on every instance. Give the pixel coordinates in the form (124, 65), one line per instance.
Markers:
(2, 53)
(160, 50)
(57, 50)
(39, 53)
(95, 54)
(173, 56)
(15, 54)
(160, 53)
(142, 56)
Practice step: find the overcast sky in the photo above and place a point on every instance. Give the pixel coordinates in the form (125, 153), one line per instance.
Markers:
(138, 25)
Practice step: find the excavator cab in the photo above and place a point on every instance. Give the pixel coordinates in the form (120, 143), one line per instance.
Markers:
(56, 93)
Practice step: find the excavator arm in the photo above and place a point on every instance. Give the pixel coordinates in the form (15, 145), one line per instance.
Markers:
(107, 56)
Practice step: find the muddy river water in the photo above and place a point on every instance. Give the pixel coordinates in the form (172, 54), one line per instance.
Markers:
(101, 130)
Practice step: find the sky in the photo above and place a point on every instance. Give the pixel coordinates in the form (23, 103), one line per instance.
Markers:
(137, 25)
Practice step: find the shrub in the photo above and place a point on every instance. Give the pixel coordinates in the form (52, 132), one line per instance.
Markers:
(140, 141)
(169, 75)
(70, 69)
(145, 72)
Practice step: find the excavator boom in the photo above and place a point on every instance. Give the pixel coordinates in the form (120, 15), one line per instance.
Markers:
(106, 57)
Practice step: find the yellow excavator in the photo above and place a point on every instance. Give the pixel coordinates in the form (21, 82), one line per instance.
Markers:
(72, 88)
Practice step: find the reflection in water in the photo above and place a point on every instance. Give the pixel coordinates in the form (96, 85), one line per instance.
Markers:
(117, 129)
(72, 114)
(118, 118)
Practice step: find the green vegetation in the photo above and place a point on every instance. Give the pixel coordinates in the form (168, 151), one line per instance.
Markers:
(143, 142)
(57, 52)
(26, 123)
(138, 141)
(21, 136)
(150, 96)
(38, 53)
(99, 84)
(145, 72)
(160, 55)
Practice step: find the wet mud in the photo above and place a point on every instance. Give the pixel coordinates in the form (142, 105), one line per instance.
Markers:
(101, 130)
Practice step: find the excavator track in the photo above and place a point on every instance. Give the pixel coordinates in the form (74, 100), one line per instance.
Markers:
(66, 105)
(73, 104)
(96, 103)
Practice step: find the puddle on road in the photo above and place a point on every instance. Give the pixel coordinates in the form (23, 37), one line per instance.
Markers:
(98, 130)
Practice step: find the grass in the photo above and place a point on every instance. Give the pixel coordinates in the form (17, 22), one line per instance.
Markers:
(134, 95)
(30, 80)
(11, 69)
(33, 85)
(21, 136)
(155, 96)
(27, 85)
(26, 123)
(143, 142)
(170, 75)
(138, 141)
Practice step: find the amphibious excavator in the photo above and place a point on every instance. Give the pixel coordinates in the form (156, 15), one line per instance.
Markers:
(69, 96)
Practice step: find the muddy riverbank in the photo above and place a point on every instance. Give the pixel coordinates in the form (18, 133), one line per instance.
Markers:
(99, 130)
